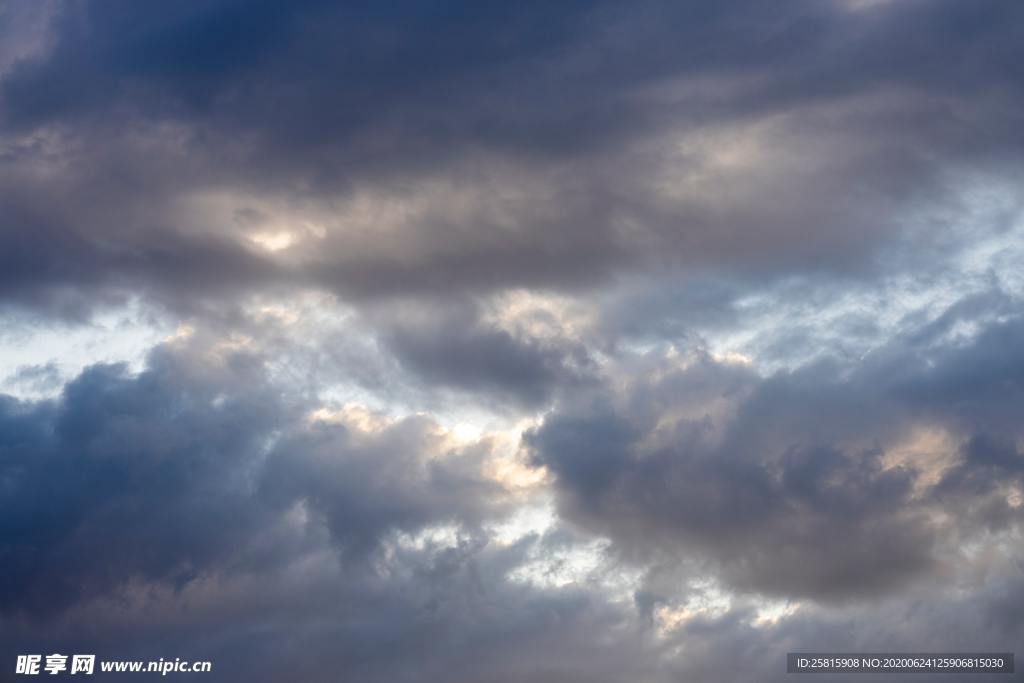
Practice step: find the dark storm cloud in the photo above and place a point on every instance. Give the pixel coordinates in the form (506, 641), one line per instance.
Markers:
(126, 477)
(200, 485)
(128, 111)
(782, 482)
(346, 65)
(188, 469)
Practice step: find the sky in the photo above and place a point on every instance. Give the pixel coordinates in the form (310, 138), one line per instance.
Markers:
(486, 342)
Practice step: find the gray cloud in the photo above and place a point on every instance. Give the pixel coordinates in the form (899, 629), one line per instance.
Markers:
(188, 469)
(451, 346)
(195, 510)
(748, 270)
(381, 483)
(787, 484)
(199, 484)
(804, 142)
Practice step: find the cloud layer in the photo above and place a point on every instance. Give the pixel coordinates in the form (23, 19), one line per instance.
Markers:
(510, 342)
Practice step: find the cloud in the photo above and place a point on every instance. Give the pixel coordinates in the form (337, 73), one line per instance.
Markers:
(128, 477)
(538, 148)
(404, 477)
(526, 341)
(456, 346)
(189, 470)
(792, 485)
(207, 505)
(199, 494)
